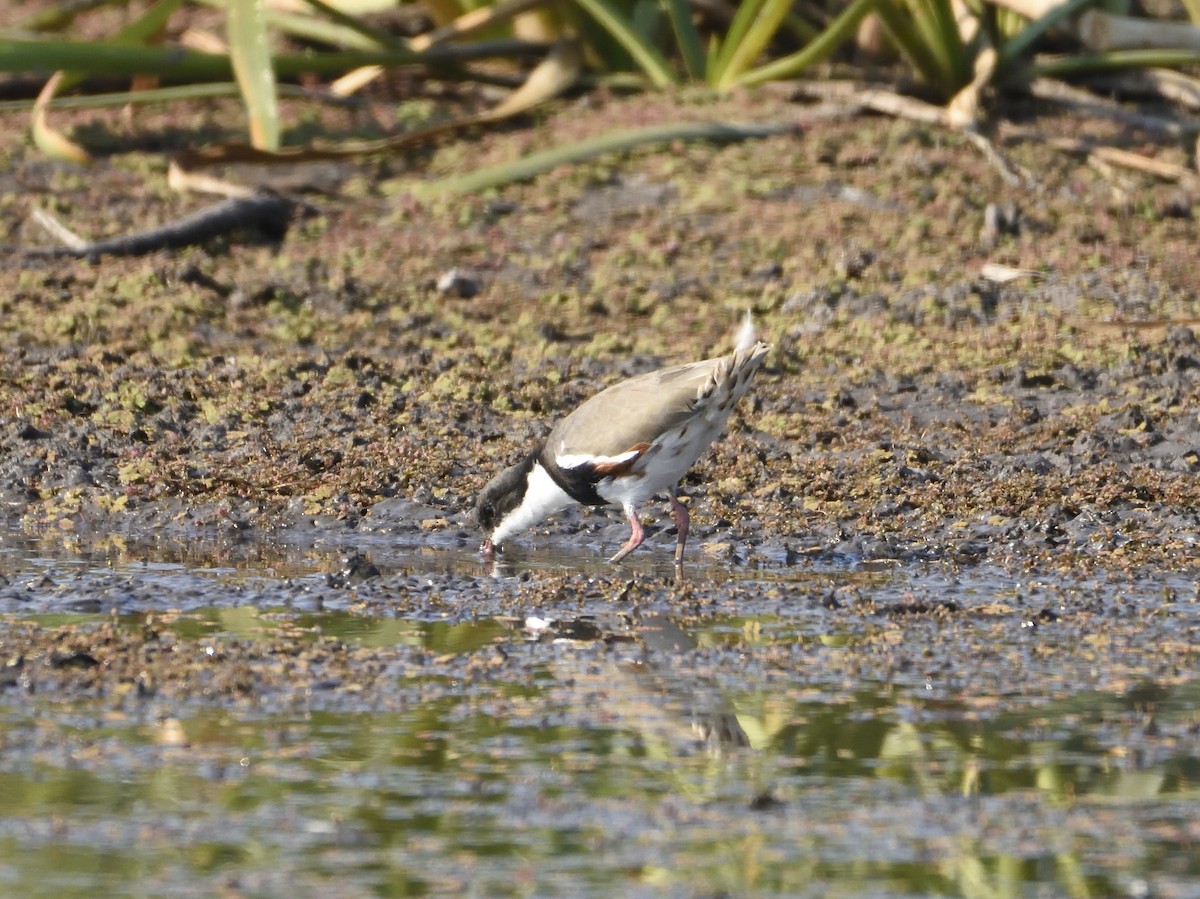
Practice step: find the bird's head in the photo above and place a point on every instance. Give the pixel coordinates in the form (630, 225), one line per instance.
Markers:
(501, 497)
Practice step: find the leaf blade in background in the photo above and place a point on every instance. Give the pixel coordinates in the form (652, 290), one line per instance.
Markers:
(746, 13)
(652, 63)
(54, 143)
(376, 36)
(820, 48)
(687, 36)
(613, 142)
(902, 32)
(557, 72)
(1022, 42)
(250, 53)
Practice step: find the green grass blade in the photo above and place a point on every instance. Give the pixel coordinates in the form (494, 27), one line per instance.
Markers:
(711, 54)
(801, 30)
(375, 36)
(647, 18)
(687, 37)
(1110, 61)
(173, 64)
(172, 94)
(344, 31)
(939, 32)
(838, 31)
(621, 141)
(250, 52)
(1022, 42)
(148, 24)
(647, 57)
(137, 32)
(57, 16)
(104, 59)
(753, 41)
(741, 23)
(310, 28)
(903, 33)
(56, 145)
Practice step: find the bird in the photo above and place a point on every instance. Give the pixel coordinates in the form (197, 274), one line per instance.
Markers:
(628, 443)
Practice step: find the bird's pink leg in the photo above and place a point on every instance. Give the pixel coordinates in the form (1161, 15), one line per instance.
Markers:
(636, 536)
(681, 526)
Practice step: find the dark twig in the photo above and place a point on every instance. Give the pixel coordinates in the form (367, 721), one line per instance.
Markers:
(264, 210)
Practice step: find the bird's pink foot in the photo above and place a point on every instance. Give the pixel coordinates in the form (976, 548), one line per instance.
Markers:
(636, 537)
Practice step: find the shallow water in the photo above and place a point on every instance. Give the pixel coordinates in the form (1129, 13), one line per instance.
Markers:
(821, 729)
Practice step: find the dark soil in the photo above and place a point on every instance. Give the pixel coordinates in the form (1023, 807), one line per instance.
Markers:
(910, 408)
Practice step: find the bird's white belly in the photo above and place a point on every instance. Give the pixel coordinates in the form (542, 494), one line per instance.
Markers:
(661, 467)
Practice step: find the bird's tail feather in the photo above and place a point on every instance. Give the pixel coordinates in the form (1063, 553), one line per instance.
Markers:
(747, 334)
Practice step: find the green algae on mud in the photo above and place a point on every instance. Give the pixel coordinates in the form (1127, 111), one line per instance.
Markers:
(911, 407)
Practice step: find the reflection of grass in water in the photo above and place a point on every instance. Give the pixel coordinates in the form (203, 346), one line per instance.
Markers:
(581, 774)
(23, 554)
(921, 749)
(253, 623)
(206, 555)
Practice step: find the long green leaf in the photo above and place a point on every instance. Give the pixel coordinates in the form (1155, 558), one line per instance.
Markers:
(136, 33)
(335, 27)
(250, 51)
(1110, 61)
(760, 33)
(173, 94)
(826, 43)
(939, 31)
(57, 16)
(100, 58)
(52, 142)
(377, 36)
(620, 141)
(1020, 43)
(148, 24)
(905, 35)
(310, 28)
(647, 57)
(344, 31)
(688, 37)
(742, 20)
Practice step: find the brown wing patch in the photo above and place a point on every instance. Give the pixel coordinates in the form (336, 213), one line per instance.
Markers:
(617, 469)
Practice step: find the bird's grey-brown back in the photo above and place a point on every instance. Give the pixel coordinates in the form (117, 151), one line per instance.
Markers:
(632, 412)
(640, 410)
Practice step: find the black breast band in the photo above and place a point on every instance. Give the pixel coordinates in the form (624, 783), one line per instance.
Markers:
(579, 482)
